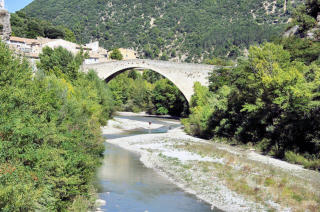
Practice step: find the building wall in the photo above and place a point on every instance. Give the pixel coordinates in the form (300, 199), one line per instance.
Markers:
(72, 47)
(5, 24)
(128, 54)
(91, 61)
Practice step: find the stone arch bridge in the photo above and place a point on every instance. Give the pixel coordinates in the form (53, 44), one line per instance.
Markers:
(183, 75)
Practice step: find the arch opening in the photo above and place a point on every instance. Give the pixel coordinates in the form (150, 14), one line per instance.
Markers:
(164, 98)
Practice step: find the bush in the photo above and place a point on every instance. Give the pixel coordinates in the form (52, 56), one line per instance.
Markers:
(299, 159)
(50, 138)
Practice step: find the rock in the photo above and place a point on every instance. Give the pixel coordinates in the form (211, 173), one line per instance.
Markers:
(5, 26)
(310, 35)
(100, 202)
(291, 31)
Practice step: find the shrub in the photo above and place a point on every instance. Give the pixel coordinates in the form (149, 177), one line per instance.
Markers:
(50, 137)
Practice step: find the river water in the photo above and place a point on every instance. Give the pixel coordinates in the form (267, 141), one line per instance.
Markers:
(128, 186)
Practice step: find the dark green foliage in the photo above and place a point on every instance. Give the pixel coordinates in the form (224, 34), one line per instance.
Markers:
(167, 99)
(267, 100)
(151, 76)
(25, 26)
(50, 138)
(305, 16)
(116, 55)
(303, 50)
(147, 92)
(183, 28)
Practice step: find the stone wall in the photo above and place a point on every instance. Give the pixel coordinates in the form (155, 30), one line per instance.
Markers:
(5, 26)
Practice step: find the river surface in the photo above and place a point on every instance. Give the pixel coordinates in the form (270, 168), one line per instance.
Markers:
(127, 185)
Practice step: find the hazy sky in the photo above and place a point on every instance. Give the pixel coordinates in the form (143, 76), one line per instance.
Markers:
(14, 5)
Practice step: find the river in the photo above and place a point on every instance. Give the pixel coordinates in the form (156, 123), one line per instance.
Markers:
(145, 171)
(127, 185)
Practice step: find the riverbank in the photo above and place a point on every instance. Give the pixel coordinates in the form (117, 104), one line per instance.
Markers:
(229, 178)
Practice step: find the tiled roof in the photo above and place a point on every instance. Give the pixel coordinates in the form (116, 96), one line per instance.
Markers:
(25, 40)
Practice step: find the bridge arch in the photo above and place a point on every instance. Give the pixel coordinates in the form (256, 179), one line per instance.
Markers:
(183, 75)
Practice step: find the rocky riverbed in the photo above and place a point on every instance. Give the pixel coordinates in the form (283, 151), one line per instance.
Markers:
(229, 178)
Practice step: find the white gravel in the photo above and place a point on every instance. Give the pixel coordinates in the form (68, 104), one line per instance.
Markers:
(153, 148)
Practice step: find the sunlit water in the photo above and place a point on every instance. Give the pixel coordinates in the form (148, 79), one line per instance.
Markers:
(127, 185)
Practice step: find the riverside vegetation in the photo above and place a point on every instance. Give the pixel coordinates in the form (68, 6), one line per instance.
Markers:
(270, 100)
(50, 137)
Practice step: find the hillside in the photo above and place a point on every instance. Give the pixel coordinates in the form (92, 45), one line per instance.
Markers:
(24, 26)
(184, 30)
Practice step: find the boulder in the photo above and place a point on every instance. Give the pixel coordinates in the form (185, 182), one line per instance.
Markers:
(292, 31)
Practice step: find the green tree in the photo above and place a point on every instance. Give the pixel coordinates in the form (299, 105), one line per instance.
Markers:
(167, 99)
(69, 35)
(60, 62)
(268, 99)
(116, 55)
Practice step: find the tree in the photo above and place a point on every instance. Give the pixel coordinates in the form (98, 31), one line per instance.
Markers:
(269, 99)
(167, 99)
(116, 55)
(69, 35)
(60, 62)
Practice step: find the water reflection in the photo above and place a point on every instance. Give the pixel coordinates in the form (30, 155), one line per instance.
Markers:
(127, 185)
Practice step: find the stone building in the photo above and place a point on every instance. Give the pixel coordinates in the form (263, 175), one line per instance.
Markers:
(128, 54)
(5, 27)
(24, 45)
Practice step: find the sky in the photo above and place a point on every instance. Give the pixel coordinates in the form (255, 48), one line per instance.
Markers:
(15, 5)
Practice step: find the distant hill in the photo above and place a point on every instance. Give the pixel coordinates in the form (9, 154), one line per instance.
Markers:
(185, 30)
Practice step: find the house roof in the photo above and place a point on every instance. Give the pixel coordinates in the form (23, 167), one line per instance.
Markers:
(25, 40)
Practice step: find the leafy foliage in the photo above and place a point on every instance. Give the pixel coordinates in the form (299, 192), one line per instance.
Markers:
(189, 30)
(50, 138)
(167, 99)
(301, 47)
(25, 26)
(268, 100)
(149, 92)
(305, 16)
(60, 62)
(116, 55)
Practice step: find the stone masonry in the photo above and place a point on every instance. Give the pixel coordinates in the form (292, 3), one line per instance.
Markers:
(5, 27)
(183, 75)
